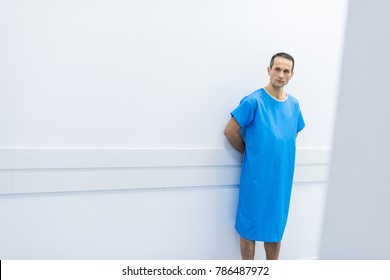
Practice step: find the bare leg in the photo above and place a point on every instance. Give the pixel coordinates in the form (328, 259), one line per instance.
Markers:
(272, 250)
(247, 249)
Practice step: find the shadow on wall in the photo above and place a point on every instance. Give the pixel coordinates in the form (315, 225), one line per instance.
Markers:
(357, 208)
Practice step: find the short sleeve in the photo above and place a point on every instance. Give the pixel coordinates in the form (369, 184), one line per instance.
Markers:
(245, 112)
(301, 122)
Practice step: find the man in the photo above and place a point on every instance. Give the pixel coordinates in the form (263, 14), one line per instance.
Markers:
(264, 128)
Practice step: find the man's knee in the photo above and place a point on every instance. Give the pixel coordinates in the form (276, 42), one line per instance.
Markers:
(247, 249)
(272, 250)
(272, 245)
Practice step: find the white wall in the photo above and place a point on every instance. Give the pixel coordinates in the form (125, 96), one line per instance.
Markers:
(157, 76)
(357, 208)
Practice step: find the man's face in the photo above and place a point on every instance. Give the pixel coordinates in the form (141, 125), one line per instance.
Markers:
(281, 72)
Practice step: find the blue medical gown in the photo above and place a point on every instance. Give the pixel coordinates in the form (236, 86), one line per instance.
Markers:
(269, 128)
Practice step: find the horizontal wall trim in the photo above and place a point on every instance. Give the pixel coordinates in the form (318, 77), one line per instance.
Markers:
(62, 170)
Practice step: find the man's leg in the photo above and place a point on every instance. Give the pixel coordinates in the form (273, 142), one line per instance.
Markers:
(247, 249)
(272, 250)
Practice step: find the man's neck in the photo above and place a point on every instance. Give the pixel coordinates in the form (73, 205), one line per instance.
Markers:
(276, 92)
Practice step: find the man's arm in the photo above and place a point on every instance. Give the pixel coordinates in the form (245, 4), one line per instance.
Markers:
(232, 133)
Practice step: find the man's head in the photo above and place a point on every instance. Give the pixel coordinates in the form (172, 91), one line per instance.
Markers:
(281, 69)
(284, 55)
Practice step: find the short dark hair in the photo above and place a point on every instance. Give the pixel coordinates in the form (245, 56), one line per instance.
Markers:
(284, 55)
